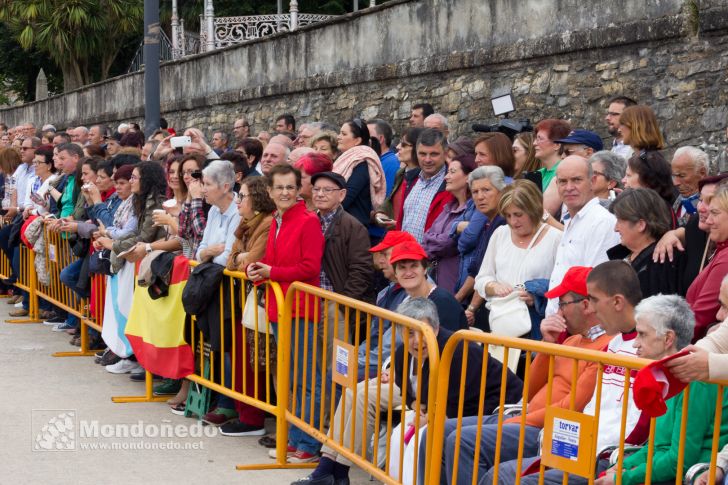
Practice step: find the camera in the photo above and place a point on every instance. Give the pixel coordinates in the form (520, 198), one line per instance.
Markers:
(503, 105)
(507, 126)
(197, 174)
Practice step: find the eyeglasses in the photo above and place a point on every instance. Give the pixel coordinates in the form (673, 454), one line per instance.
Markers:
(134, 177)
(595, 172)
(240, 197)
(324, 190)
(563, 304)
(285, 188)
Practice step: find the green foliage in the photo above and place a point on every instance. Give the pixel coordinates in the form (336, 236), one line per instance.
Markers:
(83, 37)
(19, 69)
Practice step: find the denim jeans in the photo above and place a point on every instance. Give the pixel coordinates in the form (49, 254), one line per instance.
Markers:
(69, 277)
(304, 395)
(468, 434)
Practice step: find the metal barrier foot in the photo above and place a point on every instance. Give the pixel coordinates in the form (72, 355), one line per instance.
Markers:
(147, 397)
(78, 353)
(127, 399)
(275, 466)
(22, 321)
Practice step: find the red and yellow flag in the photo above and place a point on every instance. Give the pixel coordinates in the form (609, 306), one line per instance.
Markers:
(155, 328)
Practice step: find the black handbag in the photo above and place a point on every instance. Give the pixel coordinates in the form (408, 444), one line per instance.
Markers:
(79, 246)
(100, 262)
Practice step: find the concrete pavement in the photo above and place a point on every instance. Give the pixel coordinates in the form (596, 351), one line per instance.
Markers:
(50, 402)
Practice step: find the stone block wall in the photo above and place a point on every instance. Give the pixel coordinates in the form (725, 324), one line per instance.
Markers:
(560, 58)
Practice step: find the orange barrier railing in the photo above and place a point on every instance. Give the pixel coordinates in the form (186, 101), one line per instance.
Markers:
(588, 460)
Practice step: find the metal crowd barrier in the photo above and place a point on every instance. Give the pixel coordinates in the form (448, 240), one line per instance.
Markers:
(58, 256)
(529, 347)
(346, 324)
(27, 282)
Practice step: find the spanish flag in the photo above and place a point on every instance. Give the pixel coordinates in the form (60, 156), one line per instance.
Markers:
(155, 328)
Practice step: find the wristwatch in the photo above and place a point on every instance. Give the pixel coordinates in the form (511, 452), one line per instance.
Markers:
(148, 247)
(471, 308)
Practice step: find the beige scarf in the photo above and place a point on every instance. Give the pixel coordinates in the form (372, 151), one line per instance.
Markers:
(351, 158)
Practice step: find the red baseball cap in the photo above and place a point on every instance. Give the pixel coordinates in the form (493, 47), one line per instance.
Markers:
(391, 239)
(654, 385)
(574, 280)
(407, 250)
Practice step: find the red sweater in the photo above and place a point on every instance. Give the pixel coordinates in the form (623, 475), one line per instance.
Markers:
(295, 255)
(702, 296)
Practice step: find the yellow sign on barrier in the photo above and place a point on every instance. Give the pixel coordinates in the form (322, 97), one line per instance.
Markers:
(567, 442)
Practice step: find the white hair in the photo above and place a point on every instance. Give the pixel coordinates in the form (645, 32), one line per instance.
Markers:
(668, 312)
(698, 156)
(441, 118)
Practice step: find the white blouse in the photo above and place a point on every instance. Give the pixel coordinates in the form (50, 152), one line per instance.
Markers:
(504, 261)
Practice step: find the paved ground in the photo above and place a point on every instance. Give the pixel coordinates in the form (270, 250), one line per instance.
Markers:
(77, 392)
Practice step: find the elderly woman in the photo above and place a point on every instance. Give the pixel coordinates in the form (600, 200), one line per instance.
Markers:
(218, 179)
(521, 251)
(608, 169)
(642, 219)
(309, 165)
(359, 164)
(524, 154)
(440, 240)
(703, 293)
(486, 185)
(293, 252)
(45, 174)
(495, 149)
(255, 208)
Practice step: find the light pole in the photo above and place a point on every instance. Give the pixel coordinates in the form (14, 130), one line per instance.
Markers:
(151, 66)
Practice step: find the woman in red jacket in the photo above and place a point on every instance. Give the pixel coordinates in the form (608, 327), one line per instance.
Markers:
(293, 253)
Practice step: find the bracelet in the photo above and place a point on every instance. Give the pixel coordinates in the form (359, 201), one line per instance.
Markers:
(471, 309)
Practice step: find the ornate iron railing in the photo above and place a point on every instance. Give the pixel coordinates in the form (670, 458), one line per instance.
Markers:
(234, 30)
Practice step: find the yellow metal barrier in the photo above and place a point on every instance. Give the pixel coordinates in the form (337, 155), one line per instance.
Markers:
(5, 270)
(27, 281)
(529, 347)
(58, 256)
(347, 323)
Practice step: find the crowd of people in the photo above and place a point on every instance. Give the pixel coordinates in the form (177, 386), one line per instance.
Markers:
(547, 235)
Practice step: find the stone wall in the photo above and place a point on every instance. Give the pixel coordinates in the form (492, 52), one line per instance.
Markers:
(560, 58)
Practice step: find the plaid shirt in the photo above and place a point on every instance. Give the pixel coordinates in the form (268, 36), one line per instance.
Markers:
(417, 203)
(326, 221)
(192, 221)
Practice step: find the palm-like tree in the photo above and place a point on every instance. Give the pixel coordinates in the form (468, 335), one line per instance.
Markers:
(83, 37)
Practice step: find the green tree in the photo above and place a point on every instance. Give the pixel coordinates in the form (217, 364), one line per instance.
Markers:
(19, 70)
(83, 37)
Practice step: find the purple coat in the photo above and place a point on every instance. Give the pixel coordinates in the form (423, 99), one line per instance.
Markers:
(443, 249)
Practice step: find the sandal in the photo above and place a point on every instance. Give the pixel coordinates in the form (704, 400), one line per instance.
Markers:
(268, 441)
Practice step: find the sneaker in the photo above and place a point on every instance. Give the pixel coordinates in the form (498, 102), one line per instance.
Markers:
(220, 416)
(19, 313)
(75, 341)
(178, 409)
(54, 320)
(321, 480)
(109, 358)
(101, 353)
(124, 366)
(290, 451)
(168, 387)
(62, 327)
(19, 304)
(301, 456)
(13, 300)
(237, 428)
